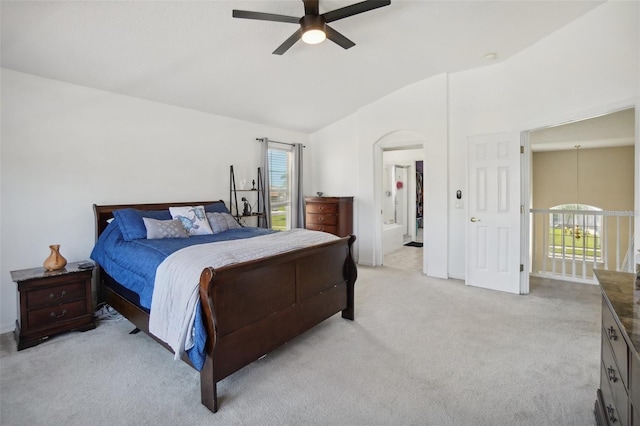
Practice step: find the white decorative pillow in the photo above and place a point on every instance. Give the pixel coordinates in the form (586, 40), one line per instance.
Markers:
(221, 222)
(157, 229)
(193, 218)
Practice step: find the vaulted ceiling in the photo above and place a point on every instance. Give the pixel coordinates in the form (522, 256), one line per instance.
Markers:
(195, 55)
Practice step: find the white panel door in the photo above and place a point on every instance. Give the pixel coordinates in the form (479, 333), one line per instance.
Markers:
(493, 222)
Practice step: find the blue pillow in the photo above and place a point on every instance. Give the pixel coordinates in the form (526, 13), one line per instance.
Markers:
(131, 223)
(216, 208)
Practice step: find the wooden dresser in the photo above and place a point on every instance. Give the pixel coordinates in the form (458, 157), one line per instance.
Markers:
(618, 399)
(329, 214)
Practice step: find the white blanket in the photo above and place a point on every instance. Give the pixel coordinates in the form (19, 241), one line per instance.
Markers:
(175, 293)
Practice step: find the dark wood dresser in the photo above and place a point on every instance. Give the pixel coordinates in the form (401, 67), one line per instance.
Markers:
(329, 214)
(51, 302)
(618, 399)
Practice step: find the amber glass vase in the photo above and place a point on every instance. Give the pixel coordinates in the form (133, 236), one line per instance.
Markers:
(55, 260)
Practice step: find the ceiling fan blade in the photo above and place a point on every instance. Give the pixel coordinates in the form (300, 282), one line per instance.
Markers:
(354, 9)
(288, 42)
(245, 14)
(338, 38)
(311, 7)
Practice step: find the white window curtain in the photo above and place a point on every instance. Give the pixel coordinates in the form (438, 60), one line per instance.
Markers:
(266, 220)
(297, 216)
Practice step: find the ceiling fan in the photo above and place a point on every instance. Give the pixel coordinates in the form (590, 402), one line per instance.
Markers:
(313, 26)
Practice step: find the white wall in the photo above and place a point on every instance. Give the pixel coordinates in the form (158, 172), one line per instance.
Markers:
(585, 68)
(66, 147)
(418, 110)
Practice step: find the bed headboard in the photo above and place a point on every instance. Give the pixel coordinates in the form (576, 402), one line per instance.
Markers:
(105, 212)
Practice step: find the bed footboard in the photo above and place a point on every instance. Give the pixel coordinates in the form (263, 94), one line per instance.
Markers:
(252, 308)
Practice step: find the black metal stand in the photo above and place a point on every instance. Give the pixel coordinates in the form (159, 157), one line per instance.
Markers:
(233, 199)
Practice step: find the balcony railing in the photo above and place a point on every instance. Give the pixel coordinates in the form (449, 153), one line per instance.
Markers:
(569, 244)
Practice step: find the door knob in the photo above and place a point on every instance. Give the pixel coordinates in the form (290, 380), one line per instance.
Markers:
(475, 219)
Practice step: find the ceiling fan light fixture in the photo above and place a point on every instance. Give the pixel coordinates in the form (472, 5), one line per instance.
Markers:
(313, 29)
(313, 25)
(313, 36)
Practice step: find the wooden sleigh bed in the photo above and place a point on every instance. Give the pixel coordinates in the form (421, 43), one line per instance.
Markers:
(251, 308)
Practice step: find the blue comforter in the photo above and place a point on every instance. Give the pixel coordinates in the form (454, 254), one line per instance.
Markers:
(133, 264)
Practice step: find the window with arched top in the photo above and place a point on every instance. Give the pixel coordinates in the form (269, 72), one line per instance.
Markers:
(575, 232)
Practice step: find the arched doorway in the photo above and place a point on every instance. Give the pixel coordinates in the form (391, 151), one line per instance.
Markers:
(395, 141)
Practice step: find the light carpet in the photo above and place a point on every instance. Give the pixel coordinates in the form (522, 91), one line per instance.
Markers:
(421, 351)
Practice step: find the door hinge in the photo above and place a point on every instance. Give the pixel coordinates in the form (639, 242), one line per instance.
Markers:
(521, 267)
(521, 149)
(521, 208)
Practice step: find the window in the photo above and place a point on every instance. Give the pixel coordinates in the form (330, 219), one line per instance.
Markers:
(576, 232)
(280, 186)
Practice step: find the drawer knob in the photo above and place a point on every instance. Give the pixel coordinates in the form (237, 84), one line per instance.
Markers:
(51, 295)
(321, 218)
(612, 333)
(612, 374)
(610, 412)
(53, 314)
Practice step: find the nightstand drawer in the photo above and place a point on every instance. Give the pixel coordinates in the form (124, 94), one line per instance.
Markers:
(317, 208)
(322, 219)
(324, 228)
(56, 295)
(51, 315)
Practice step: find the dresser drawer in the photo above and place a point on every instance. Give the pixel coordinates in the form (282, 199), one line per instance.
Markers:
(616, 414)
(324, 228)
(634, 386)
(613, 377)
(51, 315)
(322, 219)
(322, 208)
(57, 295)
(614, 336)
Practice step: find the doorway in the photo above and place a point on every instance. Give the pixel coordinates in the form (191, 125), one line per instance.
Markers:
(502, 145)
(402, 200)
(582, 197)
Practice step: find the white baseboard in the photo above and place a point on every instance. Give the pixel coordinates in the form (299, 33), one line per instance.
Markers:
(6, 328)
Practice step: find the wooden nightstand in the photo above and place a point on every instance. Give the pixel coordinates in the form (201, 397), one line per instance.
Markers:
(52, 302)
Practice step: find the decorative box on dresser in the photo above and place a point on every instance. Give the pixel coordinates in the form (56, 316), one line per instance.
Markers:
(52, 302)
(329, 214)
(618, 399)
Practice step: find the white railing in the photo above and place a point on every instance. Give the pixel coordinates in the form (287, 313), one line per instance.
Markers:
(569, 244)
